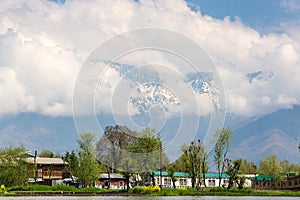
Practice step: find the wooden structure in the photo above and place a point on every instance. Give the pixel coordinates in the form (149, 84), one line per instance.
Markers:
(46, 171)
(111, 181)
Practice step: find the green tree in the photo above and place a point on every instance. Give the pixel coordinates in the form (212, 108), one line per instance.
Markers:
(146, 149)
(46, 154)
(233, 170)
(248, 167)
(13, 166)
(171, 169)
(195, 159)
(221, 149)
(73, 163)
(127, 168)
(270, 166)
(114, 143)
(88, 169)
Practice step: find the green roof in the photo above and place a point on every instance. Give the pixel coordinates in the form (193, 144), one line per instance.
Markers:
(184, 174)
(263, 177)
(177, 174)
(214, 175)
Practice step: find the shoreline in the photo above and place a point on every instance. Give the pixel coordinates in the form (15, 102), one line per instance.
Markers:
(271, 193)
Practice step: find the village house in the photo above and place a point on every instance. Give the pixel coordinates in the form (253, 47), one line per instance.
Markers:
(264, 182)
(46, 171)
(184, 179)
(111, 181)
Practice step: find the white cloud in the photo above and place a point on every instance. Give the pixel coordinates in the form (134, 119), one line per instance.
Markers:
(290, 5)
(43, 45)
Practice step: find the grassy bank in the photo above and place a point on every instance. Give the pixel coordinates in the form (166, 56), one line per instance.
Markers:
(32, 190)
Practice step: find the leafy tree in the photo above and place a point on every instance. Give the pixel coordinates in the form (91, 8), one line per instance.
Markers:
(114, 143)
(221, 149)
(196, 161)
(171, 170)
(127, 169)
(248, 167)
(146, 149)
(270, 166)
(46, 154)
(73, 163)
(88, 166)
(233, 170)
(13, 166)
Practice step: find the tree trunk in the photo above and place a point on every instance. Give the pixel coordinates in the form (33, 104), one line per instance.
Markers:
(127, 183)
(153, 179)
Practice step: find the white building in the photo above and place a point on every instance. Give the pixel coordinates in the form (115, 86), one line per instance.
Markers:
(184, 180)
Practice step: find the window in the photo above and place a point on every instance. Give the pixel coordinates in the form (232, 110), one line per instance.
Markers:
(211, 183)
(183, 182)
(225, 182)
(167, 181)
(121, 183)
(157, 181)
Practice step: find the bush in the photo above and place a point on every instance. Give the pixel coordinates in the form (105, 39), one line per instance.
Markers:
(145, 189)
(137, 189)
(2, 188)
(63, 188)
(151, 189)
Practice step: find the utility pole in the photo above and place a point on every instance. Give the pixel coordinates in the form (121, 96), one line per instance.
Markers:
(35, 167)
(160, 159)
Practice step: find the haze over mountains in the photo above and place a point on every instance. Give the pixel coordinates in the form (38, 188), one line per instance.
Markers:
(278, 132)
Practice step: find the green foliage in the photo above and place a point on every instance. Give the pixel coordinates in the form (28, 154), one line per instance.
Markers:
(221, 149)
(145, 189)
(147, 153)
(171, 170)
(137, 189)
(195, 159)
(270, 166)
(73, 163)
(248, 167)
(13, 166)
(84, 165)
(88, 165)
(46, 154)
(233, 170)
(2, 188)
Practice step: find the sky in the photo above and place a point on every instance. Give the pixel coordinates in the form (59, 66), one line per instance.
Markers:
(265, 16)
(255, 46)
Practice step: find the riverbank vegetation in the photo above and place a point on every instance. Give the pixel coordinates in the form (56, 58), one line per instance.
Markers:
(130, 153)
(57, 190)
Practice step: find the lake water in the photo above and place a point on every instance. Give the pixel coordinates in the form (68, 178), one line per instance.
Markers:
(148, 198)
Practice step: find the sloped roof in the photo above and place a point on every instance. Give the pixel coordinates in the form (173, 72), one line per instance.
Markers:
(263, 177)
(184, 174)
(112, 176)
(177, 174)
(215, 175)
(47, 161)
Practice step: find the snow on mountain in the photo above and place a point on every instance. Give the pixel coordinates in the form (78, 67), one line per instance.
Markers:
(259, 75)
(151, 94)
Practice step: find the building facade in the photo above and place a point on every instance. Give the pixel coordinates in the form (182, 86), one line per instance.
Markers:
(46, 171)
(265, 182)
(184, 180)
(111, 181)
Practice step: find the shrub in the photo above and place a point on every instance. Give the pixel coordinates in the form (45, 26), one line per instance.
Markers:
(63, 188)
(151, 189)
(145, 189)
(2, 188)
(137, 189)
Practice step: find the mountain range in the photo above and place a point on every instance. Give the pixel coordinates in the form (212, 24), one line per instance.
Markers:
(278, 132)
